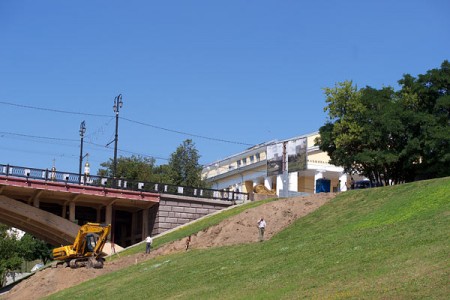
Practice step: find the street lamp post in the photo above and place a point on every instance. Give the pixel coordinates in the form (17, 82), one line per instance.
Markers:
(118, 103)
(82, 131)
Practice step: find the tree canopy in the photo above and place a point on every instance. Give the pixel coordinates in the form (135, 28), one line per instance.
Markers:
(137, 168)
(389, 135)
(183, 168)
(13, 251)
(32, 248)
(10, 258)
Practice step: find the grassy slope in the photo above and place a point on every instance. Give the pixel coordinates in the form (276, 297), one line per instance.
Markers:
(389, 242)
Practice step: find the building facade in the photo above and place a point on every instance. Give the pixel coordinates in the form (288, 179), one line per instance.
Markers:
(289, 167)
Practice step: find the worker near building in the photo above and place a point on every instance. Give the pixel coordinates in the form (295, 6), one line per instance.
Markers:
(149, 242)
(261, 228)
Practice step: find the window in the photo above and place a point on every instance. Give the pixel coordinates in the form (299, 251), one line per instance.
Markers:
(244, 161)
(239, 163)
(252, 158)
(258, 157)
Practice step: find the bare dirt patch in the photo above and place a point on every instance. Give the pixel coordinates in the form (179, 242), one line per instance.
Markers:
(239, 229)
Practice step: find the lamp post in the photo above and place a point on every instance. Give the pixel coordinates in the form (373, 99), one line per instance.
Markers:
(117, 104)
(82, 131)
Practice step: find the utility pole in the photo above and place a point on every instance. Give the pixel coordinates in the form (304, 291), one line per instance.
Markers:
(82, 131)
(117, 105)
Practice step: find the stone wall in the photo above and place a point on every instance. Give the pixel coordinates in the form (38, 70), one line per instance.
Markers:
(174, 211)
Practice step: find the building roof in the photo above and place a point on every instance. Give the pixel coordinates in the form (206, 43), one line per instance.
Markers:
(256, 147)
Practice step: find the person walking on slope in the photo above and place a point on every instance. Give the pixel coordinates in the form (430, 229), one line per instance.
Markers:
(149, 242)
(188, 241)
(261, 227)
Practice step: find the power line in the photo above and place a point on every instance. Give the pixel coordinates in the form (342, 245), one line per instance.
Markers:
(2, 133)
(42, 153)
(63, 155)
(127, 151)
(185, 133)
(129, 120)
(53, 110)
(37, 137)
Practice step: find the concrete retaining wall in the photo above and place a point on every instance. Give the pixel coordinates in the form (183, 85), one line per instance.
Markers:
(174, 211)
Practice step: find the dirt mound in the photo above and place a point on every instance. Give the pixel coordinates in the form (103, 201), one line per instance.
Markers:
(239, 229)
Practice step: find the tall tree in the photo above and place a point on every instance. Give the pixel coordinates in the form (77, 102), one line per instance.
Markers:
(10, 258)
(387, 135)
(427, 97)
(136, 168)
(32, 248)
(340, 137)
(184, 168)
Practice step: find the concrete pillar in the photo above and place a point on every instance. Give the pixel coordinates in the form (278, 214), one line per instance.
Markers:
(145, 215)
(343, 179)
(36, 202)
(72, 211)
(134, 220)
(108, 214)
(108, 219)
(98, 218)
(293, 181)
(280, 185)
(64, 211)
(268, 183)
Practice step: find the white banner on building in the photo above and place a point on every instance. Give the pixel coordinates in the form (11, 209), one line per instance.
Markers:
(275, 159)
(296, 152)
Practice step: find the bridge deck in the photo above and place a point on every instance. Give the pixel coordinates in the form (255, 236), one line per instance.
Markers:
(61, 193)
(48, 209)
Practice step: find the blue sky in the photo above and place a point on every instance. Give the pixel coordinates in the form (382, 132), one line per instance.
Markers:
(244, 72)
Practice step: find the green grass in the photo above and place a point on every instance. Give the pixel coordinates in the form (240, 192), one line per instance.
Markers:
(384, 243)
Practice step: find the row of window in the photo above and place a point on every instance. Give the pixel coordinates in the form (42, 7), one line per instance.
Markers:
(243, 162)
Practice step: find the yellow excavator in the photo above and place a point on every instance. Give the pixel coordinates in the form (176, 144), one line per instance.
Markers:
(86, 250)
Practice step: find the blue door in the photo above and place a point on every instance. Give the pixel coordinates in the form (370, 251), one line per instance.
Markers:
(323, 185)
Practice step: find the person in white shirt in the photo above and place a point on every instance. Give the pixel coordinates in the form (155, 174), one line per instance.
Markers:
(261, 227)
(149, 241)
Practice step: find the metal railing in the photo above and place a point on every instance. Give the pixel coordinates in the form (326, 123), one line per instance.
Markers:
(120, 183)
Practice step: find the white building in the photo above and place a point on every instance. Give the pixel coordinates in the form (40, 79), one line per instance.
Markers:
(269, 163)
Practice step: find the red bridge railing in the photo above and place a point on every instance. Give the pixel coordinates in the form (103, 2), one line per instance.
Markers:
(119, 183)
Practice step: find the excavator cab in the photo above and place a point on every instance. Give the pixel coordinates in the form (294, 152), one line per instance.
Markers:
(91, 242)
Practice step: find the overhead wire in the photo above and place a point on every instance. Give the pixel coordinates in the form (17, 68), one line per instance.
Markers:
(185, 133)
(2, 133)
(53, 110)
(129, 120)
(127, 151)
(94, 134)
(37, 137)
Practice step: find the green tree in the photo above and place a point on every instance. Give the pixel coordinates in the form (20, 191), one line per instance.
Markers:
(136, 168)
(341, 136)
(10, 258)
(427, 98)
(184, 168)
(32, 248)
(161, 173)
(387, 135)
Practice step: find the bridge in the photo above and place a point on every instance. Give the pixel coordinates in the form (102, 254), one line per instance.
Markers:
(51, 205)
